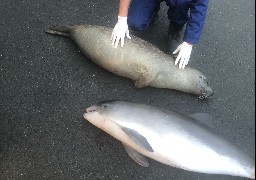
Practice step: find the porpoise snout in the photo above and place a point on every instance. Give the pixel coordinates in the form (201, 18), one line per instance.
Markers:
(91, 109)
(89, 112)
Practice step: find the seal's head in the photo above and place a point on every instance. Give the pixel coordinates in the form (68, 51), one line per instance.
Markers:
(191, 81)
(204, 91)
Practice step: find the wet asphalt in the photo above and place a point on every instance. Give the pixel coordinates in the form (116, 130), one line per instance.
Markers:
(46, 83)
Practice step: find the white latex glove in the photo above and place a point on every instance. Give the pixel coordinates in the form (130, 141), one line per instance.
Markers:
(119, 31)
(184, 50)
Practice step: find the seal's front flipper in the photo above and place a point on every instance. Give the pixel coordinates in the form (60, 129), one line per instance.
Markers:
(137, 157)
(145, 78)
(138, 139)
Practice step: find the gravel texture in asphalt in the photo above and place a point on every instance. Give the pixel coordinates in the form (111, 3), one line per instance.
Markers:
(46, 83)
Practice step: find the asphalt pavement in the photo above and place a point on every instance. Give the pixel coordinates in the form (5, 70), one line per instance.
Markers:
(46, 83)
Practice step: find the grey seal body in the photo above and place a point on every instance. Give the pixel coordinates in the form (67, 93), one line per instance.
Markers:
(137, 60)
(170, 138)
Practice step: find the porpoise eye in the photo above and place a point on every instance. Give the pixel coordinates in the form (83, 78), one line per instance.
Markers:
(105, 106)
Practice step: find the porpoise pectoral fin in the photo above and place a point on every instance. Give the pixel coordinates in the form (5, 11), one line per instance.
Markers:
(203, 118)
(137, 157)
(138, 139)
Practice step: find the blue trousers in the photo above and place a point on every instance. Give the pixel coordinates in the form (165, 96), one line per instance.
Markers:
(142, 12)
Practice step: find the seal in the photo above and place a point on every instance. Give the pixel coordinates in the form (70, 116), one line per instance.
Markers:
(137, 60)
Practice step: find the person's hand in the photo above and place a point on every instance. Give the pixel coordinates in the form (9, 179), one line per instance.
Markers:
(184, 50)
(120, 31)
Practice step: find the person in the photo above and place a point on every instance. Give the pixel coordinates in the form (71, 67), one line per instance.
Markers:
(140, 14)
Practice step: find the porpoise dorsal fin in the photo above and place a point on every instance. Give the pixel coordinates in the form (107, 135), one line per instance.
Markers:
(203, 118)
(138, 139)
(137, 157)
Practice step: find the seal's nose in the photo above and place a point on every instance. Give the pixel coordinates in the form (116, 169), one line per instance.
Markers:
(208, 94)
(205, 88)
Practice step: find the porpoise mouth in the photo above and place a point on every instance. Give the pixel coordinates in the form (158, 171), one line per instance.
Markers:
(91, 109)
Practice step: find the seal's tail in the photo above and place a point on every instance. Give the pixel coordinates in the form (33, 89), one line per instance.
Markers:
(62, 30)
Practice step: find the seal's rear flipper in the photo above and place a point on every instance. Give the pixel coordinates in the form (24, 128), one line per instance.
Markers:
(62, 30)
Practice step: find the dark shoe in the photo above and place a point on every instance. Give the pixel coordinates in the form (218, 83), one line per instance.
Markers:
(174, 36)
(154, 20)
